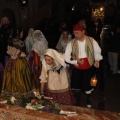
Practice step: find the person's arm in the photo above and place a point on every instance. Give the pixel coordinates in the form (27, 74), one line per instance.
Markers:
(43, 78)
(68, 52)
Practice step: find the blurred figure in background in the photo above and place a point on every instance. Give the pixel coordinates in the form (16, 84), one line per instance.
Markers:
(5, 33)
(104, 38)
(83, 22)
(99, 26)
(29, 44)
(62, 26)
(114, 49)
(40, 44)
(19, 32)
(64, 39)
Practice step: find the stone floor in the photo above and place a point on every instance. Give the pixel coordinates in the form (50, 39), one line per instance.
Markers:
(107, 98)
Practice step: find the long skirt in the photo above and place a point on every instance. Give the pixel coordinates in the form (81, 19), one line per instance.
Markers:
(17, 76)
(66, 97)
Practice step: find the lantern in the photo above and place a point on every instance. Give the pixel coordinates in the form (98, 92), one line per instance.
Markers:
(93, 81)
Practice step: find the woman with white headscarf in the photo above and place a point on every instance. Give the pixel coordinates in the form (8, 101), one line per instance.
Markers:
(64, 39)
(55, 78)
(29, 44)
(40, 44)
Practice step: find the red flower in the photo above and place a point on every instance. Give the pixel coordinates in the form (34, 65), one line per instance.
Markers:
(33, 102)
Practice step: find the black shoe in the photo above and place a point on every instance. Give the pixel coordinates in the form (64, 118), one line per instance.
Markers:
(89, 104)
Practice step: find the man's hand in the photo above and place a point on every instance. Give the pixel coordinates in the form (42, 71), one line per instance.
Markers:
(73, 57)
(96, 64)
(80, 61)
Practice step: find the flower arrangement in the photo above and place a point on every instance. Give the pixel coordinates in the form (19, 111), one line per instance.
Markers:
(19, 99)
(34, 101)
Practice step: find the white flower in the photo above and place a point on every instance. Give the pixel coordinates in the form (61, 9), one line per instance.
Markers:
(12, 99)
(37, 94)
(28, 106)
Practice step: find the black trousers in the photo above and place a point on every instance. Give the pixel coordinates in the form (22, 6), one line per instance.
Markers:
(80, 79)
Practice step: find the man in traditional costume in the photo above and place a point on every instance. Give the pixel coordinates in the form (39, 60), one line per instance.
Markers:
(5, 34)
(84, 53)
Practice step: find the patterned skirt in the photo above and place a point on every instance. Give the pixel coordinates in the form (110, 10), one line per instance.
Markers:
(65, 97)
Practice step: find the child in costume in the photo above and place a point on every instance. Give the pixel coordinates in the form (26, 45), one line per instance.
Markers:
(54, 78)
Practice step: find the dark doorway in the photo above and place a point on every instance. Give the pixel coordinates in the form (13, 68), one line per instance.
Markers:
(9, 13)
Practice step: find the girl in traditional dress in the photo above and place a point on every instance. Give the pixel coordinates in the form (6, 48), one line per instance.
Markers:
(54, 77)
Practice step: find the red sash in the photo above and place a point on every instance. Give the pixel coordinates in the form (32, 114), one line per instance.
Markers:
(85, 64)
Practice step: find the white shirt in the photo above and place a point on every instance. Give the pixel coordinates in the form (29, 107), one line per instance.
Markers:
(82, 53)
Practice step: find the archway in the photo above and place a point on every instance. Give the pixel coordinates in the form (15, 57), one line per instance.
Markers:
(10, 14)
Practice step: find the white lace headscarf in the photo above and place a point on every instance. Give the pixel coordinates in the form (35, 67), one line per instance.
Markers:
(61, 45)
(58, 58)
(40, 43)
(29, 40)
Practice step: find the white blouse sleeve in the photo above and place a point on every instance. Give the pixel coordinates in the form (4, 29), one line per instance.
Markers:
(68, 52)
(97, 51)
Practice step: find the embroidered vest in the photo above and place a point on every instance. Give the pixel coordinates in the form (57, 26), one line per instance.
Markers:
(88, 49)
